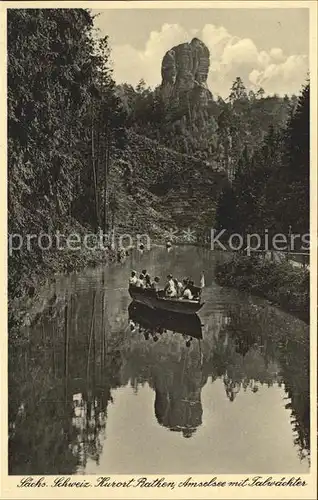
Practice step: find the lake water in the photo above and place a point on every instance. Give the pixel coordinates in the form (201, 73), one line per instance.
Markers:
(92, 393)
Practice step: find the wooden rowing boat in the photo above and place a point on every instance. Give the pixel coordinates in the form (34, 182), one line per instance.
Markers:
(154, 319)
(155, 300)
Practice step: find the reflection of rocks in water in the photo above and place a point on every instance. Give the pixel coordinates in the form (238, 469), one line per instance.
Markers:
(178, 399)
(177, 414)
(178, 388)
(236, 355)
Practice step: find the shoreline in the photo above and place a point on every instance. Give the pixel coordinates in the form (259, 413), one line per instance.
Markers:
(24, 308)
(282, 284)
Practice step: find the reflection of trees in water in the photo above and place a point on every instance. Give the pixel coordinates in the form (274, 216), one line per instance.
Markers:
(58, 403)
(282, 344)
(295, 372)
(249, 347)
(240, 365)
(177, 374)
(89, 424)
(39, 432)
(59, 387)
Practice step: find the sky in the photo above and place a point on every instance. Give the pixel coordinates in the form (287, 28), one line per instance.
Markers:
(266, 47)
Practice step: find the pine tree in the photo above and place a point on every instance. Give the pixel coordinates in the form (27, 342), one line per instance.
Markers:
(297, 165)
(238, 91)
(260, 93)
(271, 184)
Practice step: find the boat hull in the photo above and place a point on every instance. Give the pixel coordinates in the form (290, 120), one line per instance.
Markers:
(154, 319)
(151, 299)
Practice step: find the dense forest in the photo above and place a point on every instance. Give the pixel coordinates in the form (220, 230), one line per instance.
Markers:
(86, 154)
(63, 118)
(270, 189)
(217, 132)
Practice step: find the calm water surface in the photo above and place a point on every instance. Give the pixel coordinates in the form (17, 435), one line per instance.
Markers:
(90, 395)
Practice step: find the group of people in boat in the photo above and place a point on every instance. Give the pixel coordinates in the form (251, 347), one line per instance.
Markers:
(174, 288)
(144, 280)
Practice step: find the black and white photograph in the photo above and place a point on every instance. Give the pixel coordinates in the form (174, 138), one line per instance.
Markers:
(159, 233)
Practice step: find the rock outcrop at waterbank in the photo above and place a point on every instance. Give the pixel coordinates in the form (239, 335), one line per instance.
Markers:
(184, 72)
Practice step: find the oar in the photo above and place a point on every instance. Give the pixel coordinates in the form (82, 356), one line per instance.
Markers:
(202, 280)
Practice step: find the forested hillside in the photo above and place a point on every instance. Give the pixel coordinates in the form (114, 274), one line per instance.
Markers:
(86, 154)
(217, 132)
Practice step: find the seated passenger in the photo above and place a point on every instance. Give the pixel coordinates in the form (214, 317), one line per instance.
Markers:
(178, 286)
(187, 294)
(140, 281)
(183, 286)
(180, 289)
(170, 289)
(194, 290)
(155, 284)
(147, 281)
(133, 278)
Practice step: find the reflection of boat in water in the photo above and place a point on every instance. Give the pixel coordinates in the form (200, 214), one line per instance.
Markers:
(165, 320)
(156, 300)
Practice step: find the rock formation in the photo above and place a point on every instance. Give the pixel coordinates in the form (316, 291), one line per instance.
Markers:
(184, 72)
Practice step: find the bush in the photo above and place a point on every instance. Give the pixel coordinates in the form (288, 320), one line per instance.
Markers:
(280, 283)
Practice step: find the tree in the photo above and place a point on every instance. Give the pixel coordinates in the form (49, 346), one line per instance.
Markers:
(238, 91)
(106, 120)
(63, 117)
(260, 93)
(271, 184)
(113, 207)
(251, 95)
(297, 165)
(141, 87)
(50, 80)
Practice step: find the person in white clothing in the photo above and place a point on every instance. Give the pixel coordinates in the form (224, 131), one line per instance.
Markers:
(133, 278)
(155, 284)
(170, 288)
(141, 281)
(187, 294)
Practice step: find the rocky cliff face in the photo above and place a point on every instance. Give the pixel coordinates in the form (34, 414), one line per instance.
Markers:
(184, 72)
